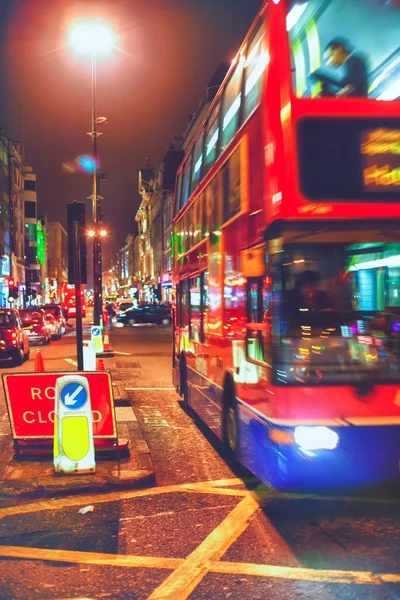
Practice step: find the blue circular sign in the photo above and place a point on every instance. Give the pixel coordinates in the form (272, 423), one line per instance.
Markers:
(96, 331)
(73, 395)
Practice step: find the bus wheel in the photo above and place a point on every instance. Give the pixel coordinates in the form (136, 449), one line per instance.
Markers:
(230, 424)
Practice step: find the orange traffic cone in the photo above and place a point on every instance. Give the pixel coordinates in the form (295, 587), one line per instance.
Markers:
(100, 365)
(39, 364)
(106, 344)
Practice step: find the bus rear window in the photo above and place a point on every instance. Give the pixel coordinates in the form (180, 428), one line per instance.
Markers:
(345, 49)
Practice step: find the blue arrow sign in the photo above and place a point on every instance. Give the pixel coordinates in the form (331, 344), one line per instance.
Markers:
(96, 331)
(73, 395)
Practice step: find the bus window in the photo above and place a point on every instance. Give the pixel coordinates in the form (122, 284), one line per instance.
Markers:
(178, 193)
(230, 106)
(231, 186)
(211, 141)
(184, 303)
(234, 296)
(257, 60)
(259, 293)
(186, 182)
(204, 306)
(195, 310)
(345, 49)
(197, 160)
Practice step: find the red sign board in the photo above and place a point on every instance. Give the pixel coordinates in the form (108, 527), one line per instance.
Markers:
(30, 401)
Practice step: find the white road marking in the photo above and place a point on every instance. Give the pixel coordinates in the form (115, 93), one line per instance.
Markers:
(157, 389)
(122, 353)
(71, 361)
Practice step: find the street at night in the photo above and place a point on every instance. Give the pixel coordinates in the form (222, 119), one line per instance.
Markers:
(207, 529)
(199, 299)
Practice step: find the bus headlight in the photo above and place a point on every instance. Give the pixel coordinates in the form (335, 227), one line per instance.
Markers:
(315, 438)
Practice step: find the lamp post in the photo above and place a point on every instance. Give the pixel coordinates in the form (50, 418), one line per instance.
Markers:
(94, 38)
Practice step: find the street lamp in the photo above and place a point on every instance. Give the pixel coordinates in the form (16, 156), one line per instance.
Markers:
(94, 38)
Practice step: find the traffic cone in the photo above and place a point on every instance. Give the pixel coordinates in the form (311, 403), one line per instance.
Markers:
(100, 365)
(106, 343)
(39, 364)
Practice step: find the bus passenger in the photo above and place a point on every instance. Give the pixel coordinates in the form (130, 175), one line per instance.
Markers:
(354, 82)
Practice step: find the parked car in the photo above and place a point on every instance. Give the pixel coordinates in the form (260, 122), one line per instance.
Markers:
(160, 314)
(35, 324)
(58, 313)
(54, 327)
(14, 341)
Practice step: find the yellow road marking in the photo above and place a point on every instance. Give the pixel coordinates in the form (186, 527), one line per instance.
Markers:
(214, 566)
(200, 487)
(205, 487)
(297, 573)
(90, 558)
(180, 584)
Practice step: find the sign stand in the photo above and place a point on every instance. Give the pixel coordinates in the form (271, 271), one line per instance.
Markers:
(73, 448)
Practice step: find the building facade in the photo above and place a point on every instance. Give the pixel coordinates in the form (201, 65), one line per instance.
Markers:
(57, 261)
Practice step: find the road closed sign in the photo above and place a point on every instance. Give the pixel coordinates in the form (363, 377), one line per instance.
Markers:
(31, 402)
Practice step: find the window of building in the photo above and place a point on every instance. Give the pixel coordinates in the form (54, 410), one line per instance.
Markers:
(197, 161)
(30, 210)
(231, 105)
(231, 186)
(256, 62)
(211, 141)
(30, 184)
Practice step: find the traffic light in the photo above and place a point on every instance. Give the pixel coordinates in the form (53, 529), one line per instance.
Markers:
(12, 289)
(76, 212)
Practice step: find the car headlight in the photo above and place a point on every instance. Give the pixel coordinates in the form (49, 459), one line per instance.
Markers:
(316, 438)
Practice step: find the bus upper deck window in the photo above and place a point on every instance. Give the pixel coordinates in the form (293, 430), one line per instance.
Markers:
(345, 49)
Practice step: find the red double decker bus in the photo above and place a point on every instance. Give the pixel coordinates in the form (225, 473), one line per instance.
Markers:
(287, 248)
(69, 299)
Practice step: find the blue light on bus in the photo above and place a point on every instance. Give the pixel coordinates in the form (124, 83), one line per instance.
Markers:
(316, 438)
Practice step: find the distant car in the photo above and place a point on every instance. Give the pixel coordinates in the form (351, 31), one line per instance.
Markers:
(160, 314)
(14, 341)
(54, 327)
(123, 307)
(58, 313)
(35, 324)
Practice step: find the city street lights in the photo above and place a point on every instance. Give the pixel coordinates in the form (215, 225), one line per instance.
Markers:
(94, 38)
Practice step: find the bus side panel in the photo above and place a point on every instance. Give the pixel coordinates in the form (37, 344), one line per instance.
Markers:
(206, 400)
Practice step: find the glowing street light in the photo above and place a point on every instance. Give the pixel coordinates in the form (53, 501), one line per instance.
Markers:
(91, 37)
(102, 233)
(94, 38)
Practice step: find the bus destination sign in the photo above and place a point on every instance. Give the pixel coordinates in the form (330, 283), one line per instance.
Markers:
(380, 150)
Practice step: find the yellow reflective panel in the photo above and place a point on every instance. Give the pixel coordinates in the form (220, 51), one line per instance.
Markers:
(314, 51)
(300, 66)
(56, 449)
(75, 437)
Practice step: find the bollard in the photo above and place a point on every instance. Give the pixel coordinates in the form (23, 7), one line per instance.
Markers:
(89, 355)
(73, 450)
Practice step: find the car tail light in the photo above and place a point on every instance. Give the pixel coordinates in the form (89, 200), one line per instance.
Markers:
(14, 335)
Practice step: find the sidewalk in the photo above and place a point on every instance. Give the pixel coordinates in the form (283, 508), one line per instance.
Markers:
(23, 477)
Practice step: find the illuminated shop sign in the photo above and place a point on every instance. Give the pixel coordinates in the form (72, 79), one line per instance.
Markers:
(380, 150)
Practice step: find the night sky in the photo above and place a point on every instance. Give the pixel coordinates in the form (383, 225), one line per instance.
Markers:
(167, 52)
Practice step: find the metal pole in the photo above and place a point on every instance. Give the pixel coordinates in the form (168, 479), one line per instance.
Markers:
(99, 248)
(97, 300)
(78, 297)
